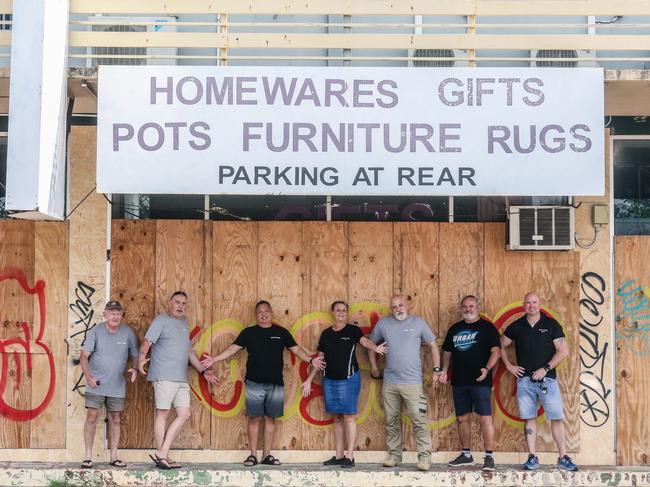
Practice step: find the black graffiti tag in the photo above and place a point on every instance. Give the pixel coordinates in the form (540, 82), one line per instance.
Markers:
(593, 352)
(83, 310)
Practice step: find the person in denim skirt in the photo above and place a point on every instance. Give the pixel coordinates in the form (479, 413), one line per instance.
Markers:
(539, 347)
(342, 380)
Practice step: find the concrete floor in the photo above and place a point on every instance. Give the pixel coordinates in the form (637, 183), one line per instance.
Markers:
(366, 475)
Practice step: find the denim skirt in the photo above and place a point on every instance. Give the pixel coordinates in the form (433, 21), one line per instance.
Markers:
(342, 396)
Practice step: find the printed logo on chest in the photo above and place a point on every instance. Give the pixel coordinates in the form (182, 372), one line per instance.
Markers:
(465, 339)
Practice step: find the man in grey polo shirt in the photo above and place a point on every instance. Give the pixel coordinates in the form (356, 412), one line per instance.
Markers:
(168, 337)
(104, 355)
(404, 336)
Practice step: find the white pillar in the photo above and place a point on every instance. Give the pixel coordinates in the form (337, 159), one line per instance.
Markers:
(38, 100)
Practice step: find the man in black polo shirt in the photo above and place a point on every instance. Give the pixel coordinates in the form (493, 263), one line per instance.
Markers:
(539, 347)
(265, 343)
(472, 348)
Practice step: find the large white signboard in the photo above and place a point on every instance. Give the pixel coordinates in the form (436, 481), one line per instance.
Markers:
(350, 131)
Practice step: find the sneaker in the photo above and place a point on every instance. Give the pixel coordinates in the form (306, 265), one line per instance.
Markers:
(488, 464)
(347, 462)
(391, 462)
(565, 463)
(334, 461)
(424, 464)
(532, 463)
(461, 460)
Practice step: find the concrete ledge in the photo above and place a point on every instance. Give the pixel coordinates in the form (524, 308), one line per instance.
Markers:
(367, 475)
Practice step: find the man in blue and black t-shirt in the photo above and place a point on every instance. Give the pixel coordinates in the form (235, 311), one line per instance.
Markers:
(539, 347)
(472, 348)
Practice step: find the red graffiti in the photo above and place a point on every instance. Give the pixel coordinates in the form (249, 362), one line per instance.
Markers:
(26, 343)
(316, 391)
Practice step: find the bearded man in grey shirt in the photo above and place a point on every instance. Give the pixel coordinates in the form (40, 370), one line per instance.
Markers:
(168, 337)
(104, 355)
(404, 336)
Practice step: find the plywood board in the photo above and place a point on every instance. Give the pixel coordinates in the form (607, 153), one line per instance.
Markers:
(371, 282)
(184, 262)
(17, 291)
(234, 264)
(416, 256)
(133, 261)
(49, 354)
(554, 276)
(325, 250)
(16, 259)
(280, 281)
(632, 345)
(508, 276)
(461, 273)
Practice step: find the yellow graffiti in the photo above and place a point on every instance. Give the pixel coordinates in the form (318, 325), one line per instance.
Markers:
(362, 313)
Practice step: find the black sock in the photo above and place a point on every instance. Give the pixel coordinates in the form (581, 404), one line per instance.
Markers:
(467, 452)
(488, 453)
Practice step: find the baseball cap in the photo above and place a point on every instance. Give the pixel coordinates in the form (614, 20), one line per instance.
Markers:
(114, 305)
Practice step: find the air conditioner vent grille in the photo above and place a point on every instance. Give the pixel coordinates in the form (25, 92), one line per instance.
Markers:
(570, 56)
(434, 53)
(526, 226)
(541, 227)
(120, 51)
(563, 223)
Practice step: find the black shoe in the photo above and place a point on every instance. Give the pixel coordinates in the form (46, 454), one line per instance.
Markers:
(488, 463)
(347, 462)
(461, 460)
(334, 461)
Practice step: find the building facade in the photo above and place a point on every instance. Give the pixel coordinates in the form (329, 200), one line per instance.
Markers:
(303, 250)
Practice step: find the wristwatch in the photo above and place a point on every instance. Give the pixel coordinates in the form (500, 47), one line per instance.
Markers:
(547, 367)
(437, 370)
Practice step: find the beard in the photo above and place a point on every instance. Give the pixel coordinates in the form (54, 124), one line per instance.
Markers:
(469, 317)
(400, 315)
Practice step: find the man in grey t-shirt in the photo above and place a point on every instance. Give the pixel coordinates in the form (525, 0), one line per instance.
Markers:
(168, 337)
(404, 335)
(104, 355)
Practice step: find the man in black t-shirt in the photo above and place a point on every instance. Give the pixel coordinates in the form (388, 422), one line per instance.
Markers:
(472, 348)
(265, 344)
(539, 347)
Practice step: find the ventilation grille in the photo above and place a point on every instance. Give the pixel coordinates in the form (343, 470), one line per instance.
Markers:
(541, 227)
(5, 21)
(120, 51)
(568, 58)
(431, 55)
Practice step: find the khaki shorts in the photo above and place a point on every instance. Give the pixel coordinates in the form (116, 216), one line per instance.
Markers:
(170, 394)
(96, 401)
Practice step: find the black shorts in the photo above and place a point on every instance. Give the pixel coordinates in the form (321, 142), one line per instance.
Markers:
(476, 399)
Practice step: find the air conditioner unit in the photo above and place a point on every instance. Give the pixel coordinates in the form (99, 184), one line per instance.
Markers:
(438, 58)
(103, 23)
(541, 227)
(562, 58)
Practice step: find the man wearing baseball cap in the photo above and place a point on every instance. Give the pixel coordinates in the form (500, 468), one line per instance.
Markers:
(104, 355)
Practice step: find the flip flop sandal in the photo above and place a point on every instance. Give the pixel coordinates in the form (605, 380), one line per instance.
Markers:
(87, 464)
(118, 463)
(163, 464)
(270, 460)
(251, 461)
(173, 463)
